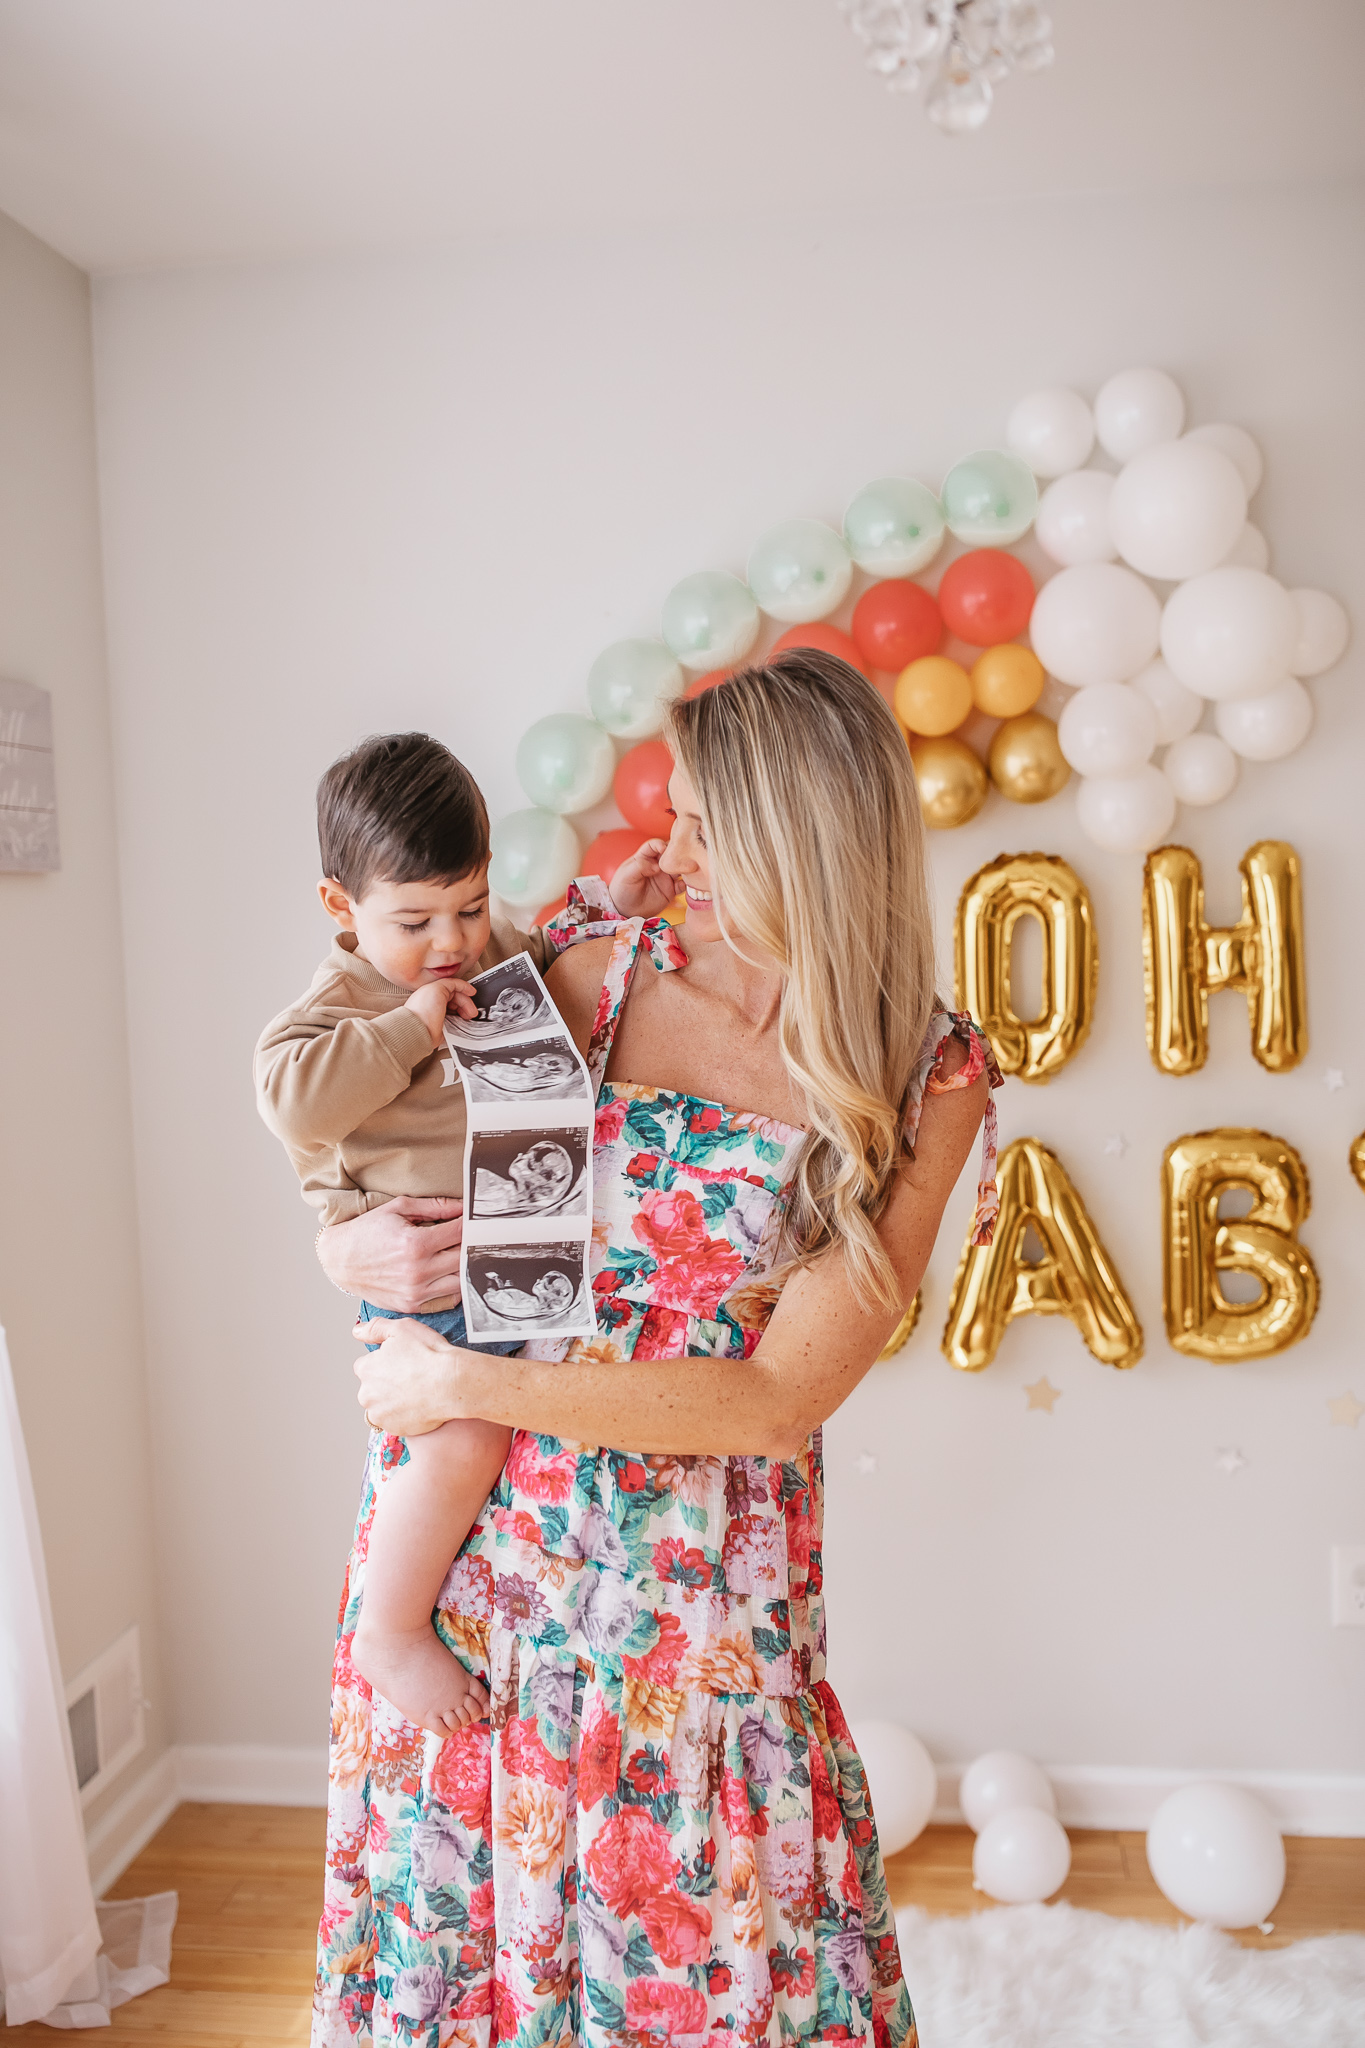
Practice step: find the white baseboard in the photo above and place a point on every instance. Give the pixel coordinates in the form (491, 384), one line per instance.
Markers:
(135, 1816)
(235, 1774)
(1125, 1796)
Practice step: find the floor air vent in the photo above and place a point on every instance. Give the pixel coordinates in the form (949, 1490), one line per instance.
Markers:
(104, 1706)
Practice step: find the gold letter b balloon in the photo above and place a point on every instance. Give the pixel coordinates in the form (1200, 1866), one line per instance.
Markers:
(1200, 1320)
(1028, 885)
(1075, 1277)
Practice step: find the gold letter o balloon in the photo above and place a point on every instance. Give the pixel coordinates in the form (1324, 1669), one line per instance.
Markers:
(1198, 1246)
(997, 896)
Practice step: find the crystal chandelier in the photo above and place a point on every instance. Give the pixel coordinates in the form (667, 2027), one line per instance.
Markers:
(965, 46)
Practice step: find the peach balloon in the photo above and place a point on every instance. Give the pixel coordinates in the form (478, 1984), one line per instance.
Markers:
(1007, 680)
(933, 695)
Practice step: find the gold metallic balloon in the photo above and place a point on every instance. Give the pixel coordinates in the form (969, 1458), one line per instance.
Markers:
(900, 1336)
(1075, 1277)
(1028, 885)
(1198, 1247)
(1026, 763)
(1185, 960)
(1357, 1156)
(952, 781)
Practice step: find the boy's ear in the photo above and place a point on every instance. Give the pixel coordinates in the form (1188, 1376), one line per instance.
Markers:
(337, 903)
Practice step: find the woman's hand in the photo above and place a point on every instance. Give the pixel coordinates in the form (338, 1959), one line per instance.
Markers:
(641, 887)
(410, 1384)
(398, 1256)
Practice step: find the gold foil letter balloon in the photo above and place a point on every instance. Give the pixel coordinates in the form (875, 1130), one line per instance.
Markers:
(1075, 1277)
(1198, 1246)
(1028, 885)
(1185, 960)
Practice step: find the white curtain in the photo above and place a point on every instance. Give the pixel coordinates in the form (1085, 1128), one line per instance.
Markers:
(49, 1933)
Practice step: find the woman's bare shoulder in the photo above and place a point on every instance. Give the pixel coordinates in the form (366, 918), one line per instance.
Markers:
(575, 981)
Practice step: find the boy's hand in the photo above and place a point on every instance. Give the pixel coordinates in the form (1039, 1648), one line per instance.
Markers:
(641, 887)
(431, 1002)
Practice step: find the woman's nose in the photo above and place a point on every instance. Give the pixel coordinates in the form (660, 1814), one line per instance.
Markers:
(676, 858)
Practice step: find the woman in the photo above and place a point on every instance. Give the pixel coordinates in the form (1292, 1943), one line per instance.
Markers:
(665, 1834)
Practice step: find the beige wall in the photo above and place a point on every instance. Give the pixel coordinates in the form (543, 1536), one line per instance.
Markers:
(70, 1294)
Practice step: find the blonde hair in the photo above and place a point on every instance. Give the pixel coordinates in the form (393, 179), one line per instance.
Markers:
(812, 818)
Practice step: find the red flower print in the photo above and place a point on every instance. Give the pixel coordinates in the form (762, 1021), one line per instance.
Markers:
(630, 1860)
(826, 1813)
(524, 1755)
(647, 1772)
(718, 1978)
(677, 1565)
(663, 1334)
(631, 1476)
(609, 1123)
(547, 1476)
(643, 1166)
(792, 1970)
(734, 1805)
(703, 1120)
(481, 1907)
(461, 1777)
(656, 2007)
(694, 1268)
(679, 1929)
(660, 1664)
(599, 1758)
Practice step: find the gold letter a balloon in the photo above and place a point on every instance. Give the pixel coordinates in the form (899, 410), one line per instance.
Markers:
(1075, 1277)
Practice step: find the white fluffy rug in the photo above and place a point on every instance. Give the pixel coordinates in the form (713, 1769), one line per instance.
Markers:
(1055, 1977)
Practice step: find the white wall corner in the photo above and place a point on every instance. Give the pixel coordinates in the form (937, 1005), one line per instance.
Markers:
(1125, 1797)
(229, 1774)
(128, 1825)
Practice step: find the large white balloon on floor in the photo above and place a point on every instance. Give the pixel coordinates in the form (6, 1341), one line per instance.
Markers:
(1217, 1854)
(1107, 729)
(999, 1781)
(1021, 1856)
(1324, 630)
(1096, 623)
(1236, 443)
(1231, 633)
(1053, 431)
(1072, 524)
(1126, 813)
(1138, 409)
(1268, 727)
(901, 1780)
(1177, 509)
(1201, 768)
(1177, 709)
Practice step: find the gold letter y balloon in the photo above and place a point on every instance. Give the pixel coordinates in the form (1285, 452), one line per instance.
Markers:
(1200, 1320)
(1075, 1277)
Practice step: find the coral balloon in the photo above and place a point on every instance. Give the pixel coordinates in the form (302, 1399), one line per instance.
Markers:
(828, 639)
(933, 695)
(607, 852)
(952, 781)
(707, 682)
(1027, 765)
(641, 788)
(1007, 680)
(986, 597)
(895, 623)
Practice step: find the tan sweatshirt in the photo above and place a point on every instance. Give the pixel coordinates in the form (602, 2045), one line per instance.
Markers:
(347, 1078)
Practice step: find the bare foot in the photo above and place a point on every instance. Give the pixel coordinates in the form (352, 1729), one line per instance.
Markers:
(415, 1672)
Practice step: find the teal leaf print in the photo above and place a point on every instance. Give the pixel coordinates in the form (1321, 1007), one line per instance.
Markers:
(639, 1956)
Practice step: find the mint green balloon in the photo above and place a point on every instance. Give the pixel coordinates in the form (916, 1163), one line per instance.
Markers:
(989, 499)
(565, 763)
(894, 527)
(800, 571)
(629, 685)
(535, 857)
(710, 620)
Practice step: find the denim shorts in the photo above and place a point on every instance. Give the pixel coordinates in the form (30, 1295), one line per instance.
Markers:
(448, 1322)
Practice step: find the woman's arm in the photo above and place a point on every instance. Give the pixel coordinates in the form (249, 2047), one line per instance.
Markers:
(822, 1339)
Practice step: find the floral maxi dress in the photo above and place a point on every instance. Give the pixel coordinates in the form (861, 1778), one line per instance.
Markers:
(662, 1834)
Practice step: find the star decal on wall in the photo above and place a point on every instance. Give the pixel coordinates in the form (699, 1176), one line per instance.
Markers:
(1333, 1079)
(1042, 1395)
(1345, 1409)
(1230, 1460)
(866, 1464)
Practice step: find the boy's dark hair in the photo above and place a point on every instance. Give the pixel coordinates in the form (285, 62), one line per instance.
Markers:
(399, 808)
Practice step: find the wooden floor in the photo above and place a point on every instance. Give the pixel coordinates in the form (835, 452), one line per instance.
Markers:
(250, 1885)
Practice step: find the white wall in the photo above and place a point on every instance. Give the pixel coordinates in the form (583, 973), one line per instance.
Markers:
(69, 1292)
(426, 493)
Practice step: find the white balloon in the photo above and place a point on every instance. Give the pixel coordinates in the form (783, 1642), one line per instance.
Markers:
(1000, 1781)
(1268, 727)
(1095, 623)
(1126, 813)
(1177, 509)
(1177, 709)
(1021, 1856)
(1250, 550)
(1217, 1855)
(1053, 430)
(1107, 729)
(1231, 633)
(1138, 409)
(1237, 444)
(1201, 768)
(1324, 630)
(1072, 523)
(901, 1781)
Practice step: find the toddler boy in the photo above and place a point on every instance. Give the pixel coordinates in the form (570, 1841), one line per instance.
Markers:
(351, 1078)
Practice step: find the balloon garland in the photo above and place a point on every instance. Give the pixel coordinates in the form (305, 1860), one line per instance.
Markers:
(1089, 674)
